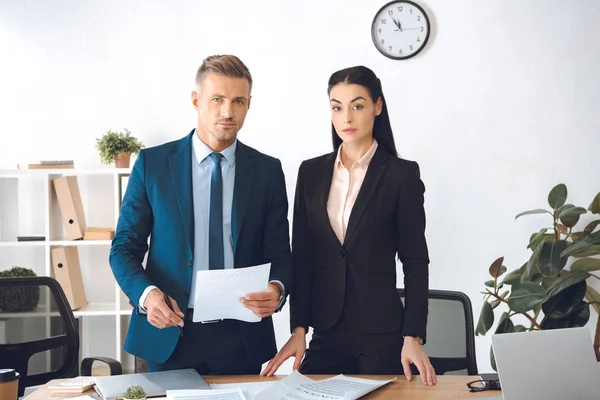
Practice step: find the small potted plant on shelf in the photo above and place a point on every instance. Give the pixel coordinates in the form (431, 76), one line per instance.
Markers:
(19, 298)
(118, 147)
(135, 392)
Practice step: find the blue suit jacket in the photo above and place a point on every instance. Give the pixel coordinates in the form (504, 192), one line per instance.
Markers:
(158, 202)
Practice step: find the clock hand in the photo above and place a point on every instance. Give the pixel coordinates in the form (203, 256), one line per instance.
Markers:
(410, 29)
(397, 24)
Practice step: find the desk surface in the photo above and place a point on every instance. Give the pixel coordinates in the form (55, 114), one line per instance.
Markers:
(448, 387)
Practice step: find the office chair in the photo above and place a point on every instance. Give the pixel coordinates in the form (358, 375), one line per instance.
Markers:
(450, 343)
(54, 352)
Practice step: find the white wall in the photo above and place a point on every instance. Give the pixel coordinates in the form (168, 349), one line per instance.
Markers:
(502, 104)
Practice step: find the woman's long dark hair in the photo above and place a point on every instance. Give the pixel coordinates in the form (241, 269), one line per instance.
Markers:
(382, 129)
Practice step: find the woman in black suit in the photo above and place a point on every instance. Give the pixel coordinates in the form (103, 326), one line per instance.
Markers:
(355, 209)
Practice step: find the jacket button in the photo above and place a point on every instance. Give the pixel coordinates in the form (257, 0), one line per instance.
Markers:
(342, 253)
(190, 263)
(186, 296)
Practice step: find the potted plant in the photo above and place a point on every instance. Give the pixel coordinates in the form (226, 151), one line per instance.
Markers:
(118, 147)
(542, 293)
(135, 392)
(18, 298)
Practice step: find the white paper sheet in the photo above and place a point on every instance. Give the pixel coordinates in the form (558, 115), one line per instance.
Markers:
(298, 387)
(250, 389)
(218, 292)
(205, 394)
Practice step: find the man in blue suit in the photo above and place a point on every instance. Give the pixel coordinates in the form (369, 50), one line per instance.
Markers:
(206, 201)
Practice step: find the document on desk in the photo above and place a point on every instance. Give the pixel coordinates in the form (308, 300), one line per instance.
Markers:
(218, 292)
(298, 387)
(205, 394)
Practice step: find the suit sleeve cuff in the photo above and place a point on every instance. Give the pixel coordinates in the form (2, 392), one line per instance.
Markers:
(279, 283)
(145, 293)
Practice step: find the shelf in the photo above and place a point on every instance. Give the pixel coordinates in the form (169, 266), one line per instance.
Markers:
(80, 242)
(18, 173)
(39, 243)
(92, 309)
(96, 309)
(42, 243)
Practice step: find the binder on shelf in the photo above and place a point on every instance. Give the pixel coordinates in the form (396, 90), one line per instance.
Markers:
(67, 271)
(71, 208)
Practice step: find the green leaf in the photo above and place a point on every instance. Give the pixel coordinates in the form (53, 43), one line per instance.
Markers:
(489, 283)
(538, 238)
(505, 325)
(525, 296)
(520, 328)
(567, 279)
(557, 196)
(547, 282)
(503, 295)
(495, 304)
(590, 251)
(586, 264)
(532, 265)
(582, 245)
(579, 317)
(595, 205)
(550, 262)
(564, 302)
(562, 208)
(570, 216)
(514, 276)
(531, 212)
(496, 268)
(590, 227)
(493, 359)
(486, 319)
(593, 296)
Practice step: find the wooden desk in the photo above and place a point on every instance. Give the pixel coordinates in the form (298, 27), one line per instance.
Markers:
(448, 387)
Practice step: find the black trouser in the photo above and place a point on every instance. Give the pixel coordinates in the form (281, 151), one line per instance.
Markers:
(211, 349)
(343, 349)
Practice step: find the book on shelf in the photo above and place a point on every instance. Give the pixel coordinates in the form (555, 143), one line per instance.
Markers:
(31, 238)
(47, 164)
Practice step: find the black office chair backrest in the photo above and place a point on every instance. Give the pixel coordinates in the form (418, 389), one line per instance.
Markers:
(450, 333)
(40, 335)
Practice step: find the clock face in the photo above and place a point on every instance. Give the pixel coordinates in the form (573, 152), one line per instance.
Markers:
(400, 29)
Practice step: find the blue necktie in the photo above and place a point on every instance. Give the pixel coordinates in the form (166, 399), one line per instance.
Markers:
(215, 222)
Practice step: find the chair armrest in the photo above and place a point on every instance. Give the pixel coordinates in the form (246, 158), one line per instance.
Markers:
(113, 365)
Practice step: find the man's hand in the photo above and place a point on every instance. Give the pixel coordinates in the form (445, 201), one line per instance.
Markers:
(159, 313)
(412, 353)
(295, 347)
(263, 304)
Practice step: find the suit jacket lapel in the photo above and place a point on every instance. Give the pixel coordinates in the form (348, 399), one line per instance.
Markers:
(324, 188)
(180, 164)
(370, 183)
(244, 178)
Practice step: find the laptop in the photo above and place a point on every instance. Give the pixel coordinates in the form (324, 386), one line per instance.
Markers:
(154, 383)
(555, 364)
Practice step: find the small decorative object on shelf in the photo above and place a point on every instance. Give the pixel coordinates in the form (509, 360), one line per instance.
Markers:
(48, 164)
(31, 238)
(135, 392)
(118, 147)
(99, 234)
(18, 298)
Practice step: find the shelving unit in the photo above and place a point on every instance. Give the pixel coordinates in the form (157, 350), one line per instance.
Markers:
(28, 206)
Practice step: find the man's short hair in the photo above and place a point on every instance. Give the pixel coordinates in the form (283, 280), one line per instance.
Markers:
(224, 65)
